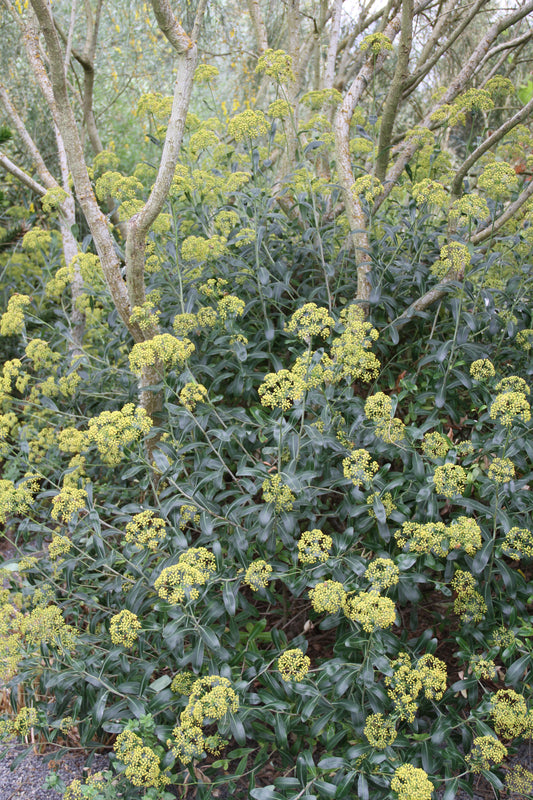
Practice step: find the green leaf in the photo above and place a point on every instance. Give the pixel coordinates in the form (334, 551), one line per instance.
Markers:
(160, 683)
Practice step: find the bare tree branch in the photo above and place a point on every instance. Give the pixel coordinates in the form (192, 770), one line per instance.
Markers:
(498, 134)
(329, 73)
(394, 94)
(509, 212)
(458, 84)
(259, 26)
(66, 123)
(31, 148)
(22, 176)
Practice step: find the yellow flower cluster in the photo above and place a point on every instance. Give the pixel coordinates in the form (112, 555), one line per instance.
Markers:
(25, 720)
(453, 261)
(72, 440)
(257, 575)
(12, 320)
(191, 394)
(59, 546)
(380, 731)
(65, 504)
(143, 767)
(45, 625)
(370, 610)
(52, 200)
(376, 42)
(524, 338)
(230, 305)
(41, 355)
(432, 672)
(37, 239)
(314, 546)
(510, 407)
(310, 320)
(146, 530)
(411, 783)
(513, 383)
(124, 628)
(435, 445)
(501, 470)
(520, 780)
(317, 98)
(406, 683)
(498, 179)
(279, 109)
(145, 316)
(378, 407)
(449, 480)
(328, 597)
(182, 683)
(469, 604)
(382, 573)
(349, 353)
(509, 714)
(518, 543)
(391, 431)
(211, 698)
(16, 499)
(368, 186)
(204, 73)
(386, 500)
(180, 581)
(163, 348)
(225, 221)
(293, 665)
(281, 389)
(482, 369)
(483, 668)
(188, 514)
(247, 125)
(359, 467)
(502, 638)
(198, 248)
(430, 192)
(118, 186)
(112, 431)
(360, 146)
(277, 64)
(105, 160)
(184, 324)
(277, 492)
(467, 208)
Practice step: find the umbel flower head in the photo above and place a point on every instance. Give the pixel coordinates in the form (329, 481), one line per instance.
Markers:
(182, 580)
(164, 348)
(314, 546)
(124, 628)
(293, 665)
(328, 596)
(257, 575)
(146, 530)
(310, 320)
(509, 714)
(509, 407)
(370, 610)
(449, 480)
(380, 731)
(359, 467)
(277, 492)
(143, 767)
(501, 470)
(482, 369)
(411, 783)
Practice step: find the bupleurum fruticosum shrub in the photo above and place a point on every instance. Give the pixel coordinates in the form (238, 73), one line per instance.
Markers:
(328, 517)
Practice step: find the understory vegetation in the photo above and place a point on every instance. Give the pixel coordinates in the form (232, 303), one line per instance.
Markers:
(275, 537)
